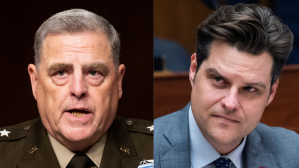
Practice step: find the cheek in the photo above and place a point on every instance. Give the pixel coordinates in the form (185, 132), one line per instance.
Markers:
(205, 95)
(104, 96)
(105, 102)
(50, 97)
(200, 102)
(253, 110)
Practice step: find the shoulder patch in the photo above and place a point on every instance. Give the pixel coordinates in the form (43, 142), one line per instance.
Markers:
(138, 125)
(15, 132)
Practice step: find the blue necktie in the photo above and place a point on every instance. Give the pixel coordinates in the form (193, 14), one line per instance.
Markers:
(222, 162)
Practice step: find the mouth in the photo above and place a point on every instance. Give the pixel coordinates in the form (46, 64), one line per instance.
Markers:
(225, 118)
(78, 112)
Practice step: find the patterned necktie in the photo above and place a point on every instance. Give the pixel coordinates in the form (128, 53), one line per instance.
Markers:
(222, 162)
(81, 161)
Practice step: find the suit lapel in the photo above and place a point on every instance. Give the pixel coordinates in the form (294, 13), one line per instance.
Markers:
(41, 153)
(119, 151)
(176, 156)
(177, 151)
(255, 155)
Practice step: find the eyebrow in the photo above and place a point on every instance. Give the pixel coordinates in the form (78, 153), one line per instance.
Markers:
(213, 70)
(99, 66)
(259, 84)
(57, 66)
(96, 66)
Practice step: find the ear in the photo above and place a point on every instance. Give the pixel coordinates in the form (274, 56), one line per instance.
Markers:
(272, 92)
(192, 70)
(121, 73)
(33, 78)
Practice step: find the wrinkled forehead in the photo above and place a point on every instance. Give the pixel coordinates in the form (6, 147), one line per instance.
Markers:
(89, 42)
(226, 58)
(77, 49)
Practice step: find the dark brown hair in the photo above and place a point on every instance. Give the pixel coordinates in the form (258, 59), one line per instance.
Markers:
(250, 28)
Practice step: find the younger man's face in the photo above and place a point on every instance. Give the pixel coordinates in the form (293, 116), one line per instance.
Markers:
(229, 93)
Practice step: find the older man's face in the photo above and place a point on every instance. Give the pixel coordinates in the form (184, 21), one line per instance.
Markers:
(77, 88)
(229, 94)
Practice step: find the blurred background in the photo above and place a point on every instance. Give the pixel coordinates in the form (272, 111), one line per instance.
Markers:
(20, 20)
(175, 24)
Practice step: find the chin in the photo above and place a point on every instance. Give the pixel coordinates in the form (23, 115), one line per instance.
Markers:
(78, 134)
(225, 140)
(78, 139)
(225, 137)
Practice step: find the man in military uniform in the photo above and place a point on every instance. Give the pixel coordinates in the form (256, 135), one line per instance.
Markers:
(77, 82)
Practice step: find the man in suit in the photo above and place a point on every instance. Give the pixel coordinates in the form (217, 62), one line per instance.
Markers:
(234, 75)
(77, 82)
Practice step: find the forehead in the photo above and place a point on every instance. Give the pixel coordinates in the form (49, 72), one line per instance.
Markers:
(229, 60)
(80, 46)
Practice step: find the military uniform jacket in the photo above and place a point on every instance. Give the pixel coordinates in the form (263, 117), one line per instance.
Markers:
(129, 141)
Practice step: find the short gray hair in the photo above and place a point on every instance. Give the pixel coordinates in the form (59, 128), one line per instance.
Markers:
(76, 21)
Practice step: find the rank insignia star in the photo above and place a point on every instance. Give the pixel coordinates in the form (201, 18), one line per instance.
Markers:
(4, 132)
(151, 128)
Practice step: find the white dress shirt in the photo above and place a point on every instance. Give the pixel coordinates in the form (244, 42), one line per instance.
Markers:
(202, 153)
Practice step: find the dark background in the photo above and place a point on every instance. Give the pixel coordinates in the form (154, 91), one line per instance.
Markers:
(133, 19)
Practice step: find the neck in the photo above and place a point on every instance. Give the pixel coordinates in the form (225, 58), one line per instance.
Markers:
(225, 149)
(78, 147)
(220, 145)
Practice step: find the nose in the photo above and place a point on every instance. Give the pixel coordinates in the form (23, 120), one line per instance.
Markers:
(231, 102)
(78, 86)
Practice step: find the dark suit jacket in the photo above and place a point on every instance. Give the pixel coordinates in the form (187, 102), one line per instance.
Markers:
(134, 136)
(265, 146)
